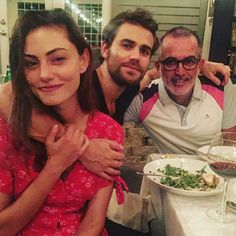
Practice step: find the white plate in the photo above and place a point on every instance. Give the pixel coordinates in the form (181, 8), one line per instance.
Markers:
(202, 152)
(187, 164)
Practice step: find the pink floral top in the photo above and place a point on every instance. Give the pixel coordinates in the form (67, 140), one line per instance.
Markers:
(63, 209)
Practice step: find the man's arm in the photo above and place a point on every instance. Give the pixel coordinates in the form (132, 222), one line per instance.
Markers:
(103, 157)
(133, 111)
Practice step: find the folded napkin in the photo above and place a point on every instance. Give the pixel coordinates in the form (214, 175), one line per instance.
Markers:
(232, 191)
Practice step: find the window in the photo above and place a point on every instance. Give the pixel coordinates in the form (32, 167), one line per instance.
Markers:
(29, 6)
(68, 5)
(90, 22)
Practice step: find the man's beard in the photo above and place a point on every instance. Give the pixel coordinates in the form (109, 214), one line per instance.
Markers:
(119, 79)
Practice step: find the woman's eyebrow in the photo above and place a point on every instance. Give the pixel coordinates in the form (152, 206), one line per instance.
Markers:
(47, 53)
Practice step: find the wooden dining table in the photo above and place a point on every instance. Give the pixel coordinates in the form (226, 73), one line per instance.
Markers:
(178, 215)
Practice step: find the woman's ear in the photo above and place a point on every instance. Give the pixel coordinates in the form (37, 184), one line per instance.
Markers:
(84, 60)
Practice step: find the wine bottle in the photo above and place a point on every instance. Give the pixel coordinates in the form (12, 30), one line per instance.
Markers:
(8, 74)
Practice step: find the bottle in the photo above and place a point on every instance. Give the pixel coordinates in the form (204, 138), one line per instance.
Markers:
(8, 74)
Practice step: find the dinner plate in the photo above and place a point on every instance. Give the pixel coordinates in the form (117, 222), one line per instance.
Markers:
(187, 164)
(202, 152)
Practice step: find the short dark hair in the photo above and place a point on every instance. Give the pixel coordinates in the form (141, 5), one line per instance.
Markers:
(182, 31)
(139, 16)
(24, 99)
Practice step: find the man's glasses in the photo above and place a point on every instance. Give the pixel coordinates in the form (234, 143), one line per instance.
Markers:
(189, 63)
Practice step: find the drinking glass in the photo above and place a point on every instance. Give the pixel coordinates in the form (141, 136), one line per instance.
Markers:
(221, 158)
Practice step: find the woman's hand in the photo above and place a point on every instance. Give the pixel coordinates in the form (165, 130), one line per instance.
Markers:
(64, 151)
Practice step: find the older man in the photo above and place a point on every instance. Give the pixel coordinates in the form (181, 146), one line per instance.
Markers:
(183, 111)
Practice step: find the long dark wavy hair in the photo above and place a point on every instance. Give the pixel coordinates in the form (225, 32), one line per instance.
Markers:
(24, 100)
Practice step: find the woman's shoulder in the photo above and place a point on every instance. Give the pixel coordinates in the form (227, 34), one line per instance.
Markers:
(101, 125)
(5, 129)
(104, 118)
(6, 141)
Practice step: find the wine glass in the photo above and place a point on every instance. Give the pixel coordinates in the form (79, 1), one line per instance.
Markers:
(222, 160)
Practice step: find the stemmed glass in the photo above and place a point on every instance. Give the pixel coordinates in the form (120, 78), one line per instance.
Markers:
(222, 160)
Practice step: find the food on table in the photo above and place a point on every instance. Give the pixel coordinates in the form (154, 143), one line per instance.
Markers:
(210, 179)
(177, 177)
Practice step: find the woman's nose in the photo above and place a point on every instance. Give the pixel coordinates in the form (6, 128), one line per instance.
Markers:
(45, 72)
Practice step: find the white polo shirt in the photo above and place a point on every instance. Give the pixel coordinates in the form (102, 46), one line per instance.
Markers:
(179, 129)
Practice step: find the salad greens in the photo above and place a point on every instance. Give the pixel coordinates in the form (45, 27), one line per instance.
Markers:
(179, 178)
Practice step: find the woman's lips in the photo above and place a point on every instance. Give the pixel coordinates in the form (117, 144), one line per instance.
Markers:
(50, 88)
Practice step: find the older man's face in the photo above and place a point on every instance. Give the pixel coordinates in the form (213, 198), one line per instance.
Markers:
(179, 80)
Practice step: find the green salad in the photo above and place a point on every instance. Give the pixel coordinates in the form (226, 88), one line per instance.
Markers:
(177, 177)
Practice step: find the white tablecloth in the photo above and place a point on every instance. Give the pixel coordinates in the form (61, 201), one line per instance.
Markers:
(178, 215)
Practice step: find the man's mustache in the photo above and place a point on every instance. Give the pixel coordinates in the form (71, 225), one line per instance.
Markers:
(133, 65)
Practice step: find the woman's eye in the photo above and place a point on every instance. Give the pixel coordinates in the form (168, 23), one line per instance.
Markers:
(58, 60)
(30, 64)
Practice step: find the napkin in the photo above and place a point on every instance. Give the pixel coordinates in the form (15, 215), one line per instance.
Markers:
(232, 194)
(232, 190)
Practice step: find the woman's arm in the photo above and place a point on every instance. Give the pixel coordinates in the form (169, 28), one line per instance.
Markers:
(62, 153)
(15, 216)
(94, 219)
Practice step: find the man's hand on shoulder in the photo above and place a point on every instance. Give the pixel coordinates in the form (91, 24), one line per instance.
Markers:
(103, 157)
(210, 69)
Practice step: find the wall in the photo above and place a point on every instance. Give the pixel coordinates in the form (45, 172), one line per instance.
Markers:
(137, 143)
(171, 13)
(12, 11)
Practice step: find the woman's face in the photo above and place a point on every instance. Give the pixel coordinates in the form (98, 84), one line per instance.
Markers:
(53, 66)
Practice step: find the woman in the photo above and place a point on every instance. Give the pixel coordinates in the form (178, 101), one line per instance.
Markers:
(44, 190)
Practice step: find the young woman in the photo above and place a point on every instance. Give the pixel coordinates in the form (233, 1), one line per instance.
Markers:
(44, 190)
